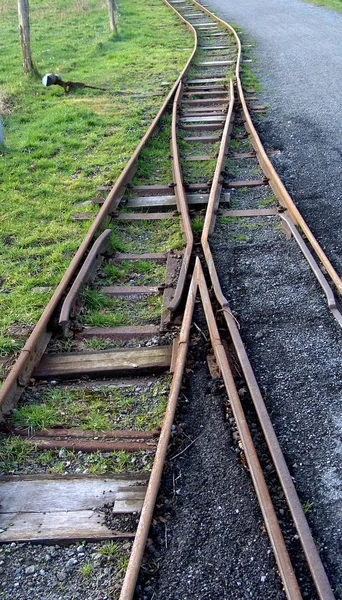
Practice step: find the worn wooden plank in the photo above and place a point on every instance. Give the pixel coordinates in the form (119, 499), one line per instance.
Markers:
(126, 360)
(129, 290)
(89, 446)
(120, 333)
(87, 434)
(151, 201)
(203, 119)
(194, 110)
(246, 183)
(201, 126)
(59, 495)
(206, 101)
(169, 291)
(203, 198)
(158, 257)
(205, 139)
(197, 187)
(146, 216)
(205, 80)
(151, 190)
(208, 90)
(154, 201)
(216, 47)
(70, 526)
(200, 158)
(209, 34)
(56, 508)
(207, 24)
(251, 212)
(215, 63)
(92, 262)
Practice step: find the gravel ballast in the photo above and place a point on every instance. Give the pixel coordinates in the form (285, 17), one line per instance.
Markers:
(298, 49)
(211, 542)
(294, 346)
(293, 342)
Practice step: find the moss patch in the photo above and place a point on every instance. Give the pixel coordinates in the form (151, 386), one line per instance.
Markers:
(59, 147)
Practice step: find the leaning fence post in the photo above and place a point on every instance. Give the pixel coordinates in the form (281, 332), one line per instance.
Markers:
(111, 12)
(2, 140)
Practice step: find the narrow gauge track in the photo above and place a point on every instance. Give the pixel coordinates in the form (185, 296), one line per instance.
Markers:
(203, 111)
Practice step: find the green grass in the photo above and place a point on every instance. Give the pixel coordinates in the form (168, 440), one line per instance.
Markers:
(252, 224)
(94, 410)
(154, 166)
(18, 456)
(87, 569)
(143, 272)
(109, 311)
(268, 201)
(241, 237)
(198, 171)
(147, 236)
(197, 223)
(333, 4)
(59, 147)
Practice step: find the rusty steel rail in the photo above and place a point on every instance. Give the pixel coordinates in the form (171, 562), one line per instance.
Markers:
(270, 518)
(329, 294)
(83, 275)
(182, 204)
(311, 553)
(273, 178)
(216, 186)
(40, 336)
(131, 576)
(198, 281)
(281, 554)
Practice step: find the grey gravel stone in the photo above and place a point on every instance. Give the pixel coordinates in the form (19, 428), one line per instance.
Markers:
(30, 570)
(70, 564)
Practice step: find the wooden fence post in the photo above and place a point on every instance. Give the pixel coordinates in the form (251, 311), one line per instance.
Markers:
(111, 12)
(24, 32)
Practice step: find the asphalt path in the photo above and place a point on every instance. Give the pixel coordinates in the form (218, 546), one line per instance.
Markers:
(299, 54)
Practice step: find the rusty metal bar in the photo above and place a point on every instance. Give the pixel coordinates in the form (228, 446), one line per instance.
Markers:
(90, 445)
(83, 276)
(216, 188)
(127, 434)
(132, 572)
(315, 268)
(314, 562)
(38, 340)
(182, 204)
(271, 522)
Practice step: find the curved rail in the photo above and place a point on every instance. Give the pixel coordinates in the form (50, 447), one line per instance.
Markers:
(316, 567)
(181, 203)
(39, 338)
(82, 276)
(315, 268)
(270, 172)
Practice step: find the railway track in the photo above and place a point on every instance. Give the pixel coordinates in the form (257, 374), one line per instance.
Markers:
(119, 323)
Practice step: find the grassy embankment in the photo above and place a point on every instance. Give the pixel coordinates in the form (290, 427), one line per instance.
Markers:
(59, 147)
(333, 4)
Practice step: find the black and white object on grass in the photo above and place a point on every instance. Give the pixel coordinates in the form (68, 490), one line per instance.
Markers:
(51, 79)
